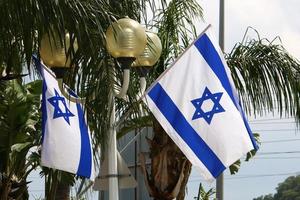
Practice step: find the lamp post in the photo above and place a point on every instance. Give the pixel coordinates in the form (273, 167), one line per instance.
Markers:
(127, 42)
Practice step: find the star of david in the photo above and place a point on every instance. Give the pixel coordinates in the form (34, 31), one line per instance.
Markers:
(58, 112)
(207, 96)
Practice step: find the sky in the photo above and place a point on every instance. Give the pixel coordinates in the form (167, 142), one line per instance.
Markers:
(261, 175)
(270, 18)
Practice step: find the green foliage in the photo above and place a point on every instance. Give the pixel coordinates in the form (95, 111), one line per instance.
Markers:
(175, 24)
(175, 29)
(205, 195)
(289, 189)
(234, 168)
(19, 124)
(24, 22)
(266, 197)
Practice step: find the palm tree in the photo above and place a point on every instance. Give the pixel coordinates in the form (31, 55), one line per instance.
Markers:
(265, 75)
(203, 195)
(19, 119)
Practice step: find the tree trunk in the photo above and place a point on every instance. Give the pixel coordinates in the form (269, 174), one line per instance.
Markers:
(5, 188)
(56, 185)
(187, 172)
(170, 169)
(62, 191)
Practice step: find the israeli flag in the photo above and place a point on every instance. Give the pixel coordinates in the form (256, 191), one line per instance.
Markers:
(66, 142)
(196, 103)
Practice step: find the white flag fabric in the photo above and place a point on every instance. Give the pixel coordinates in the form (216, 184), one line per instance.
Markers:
(66, 142)
(196, 103)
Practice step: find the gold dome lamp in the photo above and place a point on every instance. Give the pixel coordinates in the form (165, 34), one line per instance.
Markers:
(125, 40)
(53, 52)
(145, 61)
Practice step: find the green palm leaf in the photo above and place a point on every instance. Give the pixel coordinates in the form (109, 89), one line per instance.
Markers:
(266, 77)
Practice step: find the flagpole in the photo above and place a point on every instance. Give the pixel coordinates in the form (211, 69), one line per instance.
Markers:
(221, 24)
(220, 179)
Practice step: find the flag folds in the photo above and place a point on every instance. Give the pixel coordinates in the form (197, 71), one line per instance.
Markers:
(66, 142)
(196, 103)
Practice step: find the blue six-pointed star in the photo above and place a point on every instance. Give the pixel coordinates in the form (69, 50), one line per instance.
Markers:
(58, 112)
(207, 96)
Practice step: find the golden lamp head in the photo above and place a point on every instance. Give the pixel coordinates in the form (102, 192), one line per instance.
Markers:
(125, 38)
(151, 52)
(53, 52)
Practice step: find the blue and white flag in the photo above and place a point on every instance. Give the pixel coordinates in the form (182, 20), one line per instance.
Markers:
(196, 103)
(66, 142)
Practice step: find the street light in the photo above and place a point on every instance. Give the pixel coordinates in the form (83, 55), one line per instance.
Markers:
(53, 53)
(126, 40)
(145, 61)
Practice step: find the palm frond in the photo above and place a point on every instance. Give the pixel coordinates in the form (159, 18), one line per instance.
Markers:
(266, 77)
(175, 24)
(24, 22)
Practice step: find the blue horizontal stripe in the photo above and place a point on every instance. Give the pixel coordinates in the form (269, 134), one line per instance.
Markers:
(85, 164)
(211, 56)
(176, 119)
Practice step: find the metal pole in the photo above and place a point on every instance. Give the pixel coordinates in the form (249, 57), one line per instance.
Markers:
(113, 185)
(220, 179)
(113, 181)
(220, 187)
(135, 165)
(221, 24)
